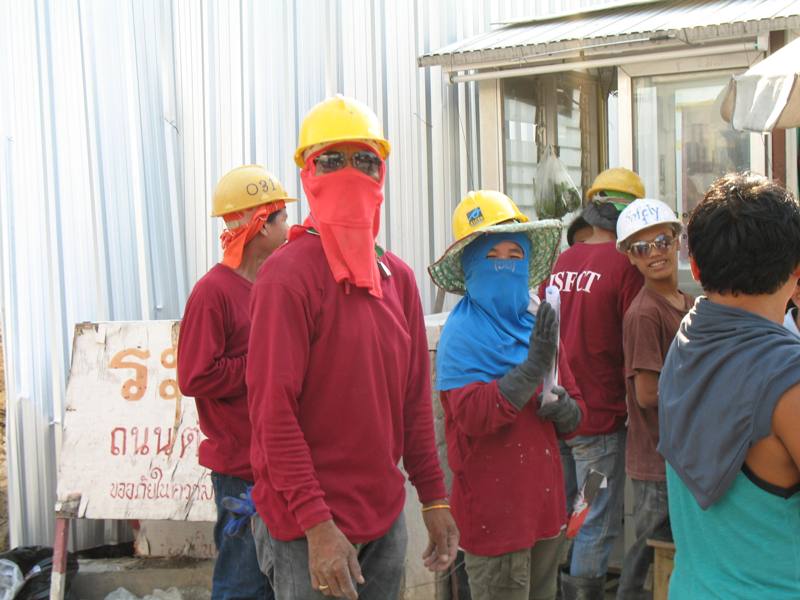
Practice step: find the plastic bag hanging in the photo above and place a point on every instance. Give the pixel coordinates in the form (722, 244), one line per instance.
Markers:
(555, 193)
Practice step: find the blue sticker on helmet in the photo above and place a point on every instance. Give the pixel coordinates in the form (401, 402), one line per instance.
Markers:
(475, 216)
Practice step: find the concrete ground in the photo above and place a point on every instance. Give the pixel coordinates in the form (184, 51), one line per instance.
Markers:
(96, 579)
(140, 576)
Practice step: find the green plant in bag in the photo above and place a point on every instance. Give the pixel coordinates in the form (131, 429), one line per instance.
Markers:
(555, 193)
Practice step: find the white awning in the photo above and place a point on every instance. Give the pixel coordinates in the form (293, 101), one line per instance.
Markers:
(767, 96)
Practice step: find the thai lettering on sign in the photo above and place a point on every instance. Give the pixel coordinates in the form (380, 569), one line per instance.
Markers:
(130, 442)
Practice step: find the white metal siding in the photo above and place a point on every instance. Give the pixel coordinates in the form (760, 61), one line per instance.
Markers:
(116, 120)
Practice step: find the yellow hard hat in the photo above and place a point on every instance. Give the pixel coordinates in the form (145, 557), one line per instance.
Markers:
(482, 209)
(618, 179)
(488, 212)
(340, 119)
(245, 187)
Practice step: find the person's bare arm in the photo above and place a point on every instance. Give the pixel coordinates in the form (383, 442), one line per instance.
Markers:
(646, 385)
(786, 423)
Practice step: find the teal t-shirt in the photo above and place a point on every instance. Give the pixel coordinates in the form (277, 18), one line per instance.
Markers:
(746, 546)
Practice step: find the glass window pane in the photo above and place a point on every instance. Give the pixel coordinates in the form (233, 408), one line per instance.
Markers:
(569, 130)
(519, 138)
(538, 111)
(681, 143)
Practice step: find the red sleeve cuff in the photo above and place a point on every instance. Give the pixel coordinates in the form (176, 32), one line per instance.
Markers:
(431, 490)
(312, 513)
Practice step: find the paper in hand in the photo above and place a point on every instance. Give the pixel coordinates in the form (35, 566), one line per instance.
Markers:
(552, 296)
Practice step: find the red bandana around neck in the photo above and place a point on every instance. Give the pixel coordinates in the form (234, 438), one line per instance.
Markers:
(346, 211)
(234, 240)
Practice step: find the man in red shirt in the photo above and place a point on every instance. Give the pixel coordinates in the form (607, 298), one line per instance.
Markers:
(597, 284)
(339, 382)
(212, 355)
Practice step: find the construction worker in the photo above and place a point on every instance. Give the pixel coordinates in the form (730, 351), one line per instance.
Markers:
(339, 382)
(729, 400)
(578, 231)
(502, 439)
(597, 285)
(212, 356)
(647, 233)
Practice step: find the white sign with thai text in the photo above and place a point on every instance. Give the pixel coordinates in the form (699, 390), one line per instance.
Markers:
(130, 440)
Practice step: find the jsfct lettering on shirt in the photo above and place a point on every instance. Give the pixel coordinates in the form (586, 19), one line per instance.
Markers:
(567, 281)
(597, 285)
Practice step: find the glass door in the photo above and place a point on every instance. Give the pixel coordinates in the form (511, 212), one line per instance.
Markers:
(681, 144)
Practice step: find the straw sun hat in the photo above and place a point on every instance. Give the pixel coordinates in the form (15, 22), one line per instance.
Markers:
(487, 212)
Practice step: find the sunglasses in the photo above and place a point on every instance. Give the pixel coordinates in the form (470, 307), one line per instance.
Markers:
(662, 242)
(365, 161)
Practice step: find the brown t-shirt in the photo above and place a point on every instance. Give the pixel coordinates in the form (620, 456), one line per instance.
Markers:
(647, 332)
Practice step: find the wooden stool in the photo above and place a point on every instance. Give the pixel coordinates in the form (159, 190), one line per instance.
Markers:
(662, 567)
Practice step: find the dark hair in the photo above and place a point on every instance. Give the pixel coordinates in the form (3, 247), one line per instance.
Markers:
(744, 235)
(273, 216)
(577, 224)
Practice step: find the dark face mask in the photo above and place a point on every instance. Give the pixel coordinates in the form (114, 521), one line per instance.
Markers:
(608, 211)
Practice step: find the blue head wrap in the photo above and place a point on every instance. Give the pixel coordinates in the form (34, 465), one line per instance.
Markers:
(488, 331)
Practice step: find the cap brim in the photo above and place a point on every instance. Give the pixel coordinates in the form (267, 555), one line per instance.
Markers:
(545, 237)
(284, 200)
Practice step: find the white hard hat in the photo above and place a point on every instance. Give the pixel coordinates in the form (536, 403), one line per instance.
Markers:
(641, 214)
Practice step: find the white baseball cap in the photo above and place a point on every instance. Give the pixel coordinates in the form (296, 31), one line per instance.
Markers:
(641, 214)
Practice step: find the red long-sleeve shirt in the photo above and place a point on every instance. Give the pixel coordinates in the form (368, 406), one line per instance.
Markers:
(508, 485)
(339, 392)
(212, 359)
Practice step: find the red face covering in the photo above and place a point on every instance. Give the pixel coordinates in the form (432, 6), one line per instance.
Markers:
(346, 210)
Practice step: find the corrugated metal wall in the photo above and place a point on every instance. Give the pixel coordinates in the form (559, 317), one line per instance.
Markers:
(116, 119)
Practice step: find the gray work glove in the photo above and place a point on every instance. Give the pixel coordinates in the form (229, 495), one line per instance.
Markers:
(520, 383)
(564, 412)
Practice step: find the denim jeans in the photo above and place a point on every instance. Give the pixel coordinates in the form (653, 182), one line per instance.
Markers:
(606, 454)
(382, 564)
(650, 515)
(236, 572)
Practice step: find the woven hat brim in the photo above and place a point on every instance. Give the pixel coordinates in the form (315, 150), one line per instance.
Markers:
(545, 237)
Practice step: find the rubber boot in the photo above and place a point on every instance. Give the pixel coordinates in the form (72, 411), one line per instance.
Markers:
(582, 588)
